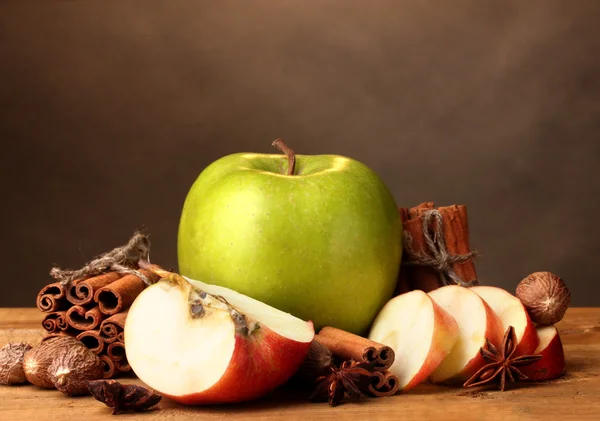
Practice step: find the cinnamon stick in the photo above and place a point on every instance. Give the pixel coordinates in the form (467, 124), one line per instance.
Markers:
(49, 322)
(384, 383)
(81, 292)
(123, 366)
(116, 351)
(112, 326)
(52, 298)
(108, 366)
(403, 280)
(346, 346)
(117, 296)
(55, 321)
(81, 318)
(419, 277)
(61, 321)
(121, 337)
(93, 340)
(456, 233)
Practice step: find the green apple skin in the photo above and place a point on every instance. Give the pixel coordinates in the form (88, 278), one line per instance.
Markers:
(323, 244)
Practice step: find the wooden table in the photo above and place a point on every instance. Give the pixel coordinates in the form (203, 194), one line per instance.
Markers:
(576, 396)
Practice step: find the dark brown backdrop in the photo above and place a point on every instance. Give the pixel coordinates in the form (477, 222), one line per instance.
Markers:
(110, 109)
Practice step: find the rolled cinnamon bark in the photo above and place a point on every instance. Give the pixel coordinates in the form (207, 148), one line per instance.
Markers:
(119, 295)
(456, 233)
(123, 366)
(384, 383)
(403, 283)
(116, 351)
(108, 366)
(61, 321)
(55, 322)
(93, 340)
(82, 292)
(50, 321)
(346, 346)
(81, 318)
(52, 298)
(419, 277)
(121, 337)
(112, 326)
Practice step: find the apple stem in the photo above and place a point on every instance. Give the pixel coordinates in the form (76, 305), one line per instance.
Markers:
(279, 144)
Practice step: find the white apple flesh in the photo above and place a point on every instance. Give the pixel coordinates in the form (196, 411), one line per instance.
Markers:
(419, 331)
(199, 348)
(552, 364)
(511, 312)
(476, 322)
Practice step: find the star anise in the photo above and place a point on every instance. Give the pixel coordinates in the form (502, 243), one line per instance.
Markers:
(501, 363)
(123, 397)
(349, 379)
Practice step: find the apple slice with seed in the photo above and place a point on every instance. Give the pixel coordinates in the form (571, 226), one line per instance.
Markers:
(476, 322)
(419, 331)
(511, 312)
(204, 344)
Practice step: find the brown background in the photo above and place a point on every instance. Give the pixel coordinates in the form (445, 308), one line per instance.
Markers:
(110, 109)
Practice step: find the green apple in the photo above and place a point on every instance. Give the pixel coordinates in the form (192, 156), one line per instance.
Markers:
(323, 243)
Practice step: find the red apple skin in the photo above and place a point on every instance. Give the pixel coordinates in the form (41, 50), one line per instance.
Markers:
(494, 332)
(552, 364)
(444, 326)
(260, 363)
(529, 342)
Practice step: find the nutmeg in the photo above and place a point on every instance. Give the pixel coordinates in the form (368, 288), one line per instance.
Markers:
(11, 363)
(73, 367)
(38, 359)
(545, 296)
(316, 363)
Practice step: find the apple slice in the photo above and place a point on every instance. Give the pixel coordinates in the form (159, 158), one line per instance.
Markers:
(203, 344)
(476, 322)
(511, 312)
(419, 331)
(552, 364)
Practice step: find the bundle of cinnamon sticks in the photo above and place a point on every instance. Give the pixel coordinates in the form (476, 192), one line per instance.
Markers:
(94, 309)
(436, 248)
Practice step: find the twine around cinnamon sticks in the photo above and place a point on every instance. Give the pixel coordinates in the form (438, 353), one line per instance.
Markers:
(92, 303)
(436, 248)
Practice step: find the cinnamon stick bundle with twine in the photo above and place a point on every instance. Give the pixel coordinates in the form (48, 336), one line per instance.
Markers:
(436, 248)
(91, 303)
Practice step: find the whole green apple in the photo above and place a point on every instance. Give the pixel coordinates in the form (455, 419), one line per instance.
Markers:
(323, 243)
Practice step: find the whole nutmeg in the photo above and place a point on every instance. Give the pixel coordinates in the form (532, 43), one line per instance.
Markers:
(545, 296)
(38, 359)
(72, 368)
(11, 363)
(316, 363)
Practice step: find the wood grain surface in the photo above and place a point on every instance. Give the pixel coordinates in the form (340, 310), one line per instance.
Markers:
(576, 396)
